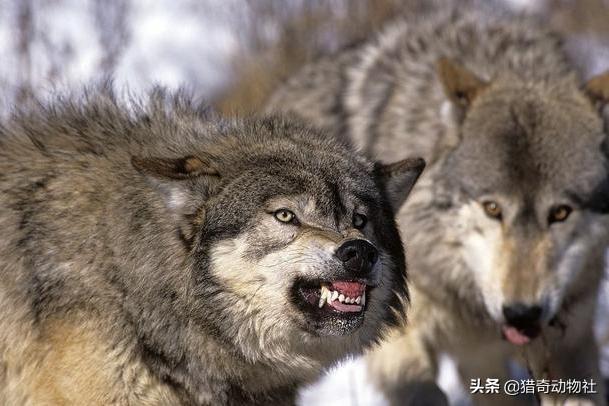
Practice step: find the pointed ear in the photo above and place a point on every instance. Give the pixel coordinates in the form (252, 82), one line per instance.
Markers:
(460, 85)
(174, 168)
(597, 89)
(398, 179)
(170, 177)
(173, 179)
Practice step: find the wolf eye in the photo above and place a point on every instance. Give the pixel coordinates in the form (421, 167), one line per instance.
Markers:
(359, 220)
(559, 213)
(284, 215)
(492, 209)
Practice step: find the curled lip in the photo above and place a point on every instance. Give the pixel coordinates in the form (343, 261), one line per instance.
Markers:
(340, 297)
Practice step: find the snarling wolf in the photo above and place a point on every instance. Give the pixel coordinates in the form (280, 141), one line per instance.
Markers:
(152, 255)
(508, 226)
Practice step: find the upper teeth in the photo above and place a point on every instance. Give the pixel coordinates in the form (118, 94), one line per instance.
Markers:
(329, 296)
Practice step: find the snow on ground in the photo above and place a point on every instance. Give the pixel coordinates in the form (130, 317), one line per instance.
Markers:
(602, 325)
(347, 384)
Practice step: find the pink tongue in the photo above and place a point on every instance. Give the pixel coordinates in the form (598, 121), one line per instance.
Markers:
(514, 336)
(343, 307)
(350, 289)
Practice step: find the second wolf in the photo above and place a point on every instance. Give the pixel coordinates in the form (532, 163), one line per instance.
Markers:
(508, 227)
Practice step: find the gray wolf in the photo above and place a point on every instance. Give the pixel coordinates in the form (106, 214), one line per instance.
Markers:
(507, 228)
(153, 255)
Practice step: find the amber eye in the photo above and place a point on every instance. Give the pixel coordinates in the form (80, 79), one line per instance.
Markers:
(359, 220)
(559, 213)
(284, 215)
(492, 209)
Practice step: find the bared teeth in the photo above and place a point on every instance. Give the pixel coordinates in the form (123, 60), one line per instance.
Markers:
(324, 293)
(328, 296)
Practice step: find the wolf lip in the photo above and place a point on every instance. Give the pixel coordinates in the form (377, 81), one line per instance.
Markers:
(518, 336)
(343, 296)
(338, 297)
(332, 307)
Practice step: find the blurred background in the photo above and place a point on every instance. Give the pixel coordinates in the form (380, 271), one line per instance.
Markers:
(234, 48)
(232, 53)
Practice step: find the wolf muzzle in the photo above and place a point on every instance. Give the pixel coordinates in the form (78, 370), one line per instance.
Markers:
(523, 322)
(358, 256)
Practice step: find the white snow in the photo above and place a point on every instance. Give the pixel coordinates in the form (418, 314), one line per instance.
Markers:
(173, 44)
(347, 384)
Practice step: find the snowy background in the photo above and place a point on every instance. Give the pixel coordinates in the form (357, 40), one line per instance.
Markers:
(210, 47)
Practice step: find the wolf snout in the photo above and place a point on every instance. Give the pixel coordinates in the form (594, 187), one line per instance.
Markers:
(523, 322)
(358, 256)
(522, 315)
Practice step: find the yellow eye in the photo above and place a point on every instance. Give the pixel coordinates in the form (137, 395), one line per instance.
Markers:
(559, 213)
(359, 220)
(284, 215)
(492, 209)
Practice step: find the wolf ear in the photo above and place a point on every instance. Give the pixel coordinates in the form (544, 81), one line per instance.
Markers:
(597, 89)
(170, 177)
(174, 168)
(398, 179)
(460, 85)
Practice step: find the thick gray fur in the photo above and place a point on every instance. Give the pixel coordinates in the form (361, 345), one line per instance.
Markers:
(116, 283)
(531, 138)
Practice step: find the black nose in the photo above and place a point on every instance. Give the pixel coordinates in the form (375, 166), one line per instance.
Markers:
(521, 315)
(358, 256)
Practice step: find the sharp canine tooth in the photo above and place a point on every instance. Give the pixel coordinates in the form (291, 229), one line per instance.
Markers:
(323, 295)
(341, 298)
(358, 299)
(334, 295)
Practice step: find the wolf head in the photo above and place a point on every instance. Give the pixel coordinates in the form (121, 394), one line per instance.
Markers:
(292, 235)
(530, 183)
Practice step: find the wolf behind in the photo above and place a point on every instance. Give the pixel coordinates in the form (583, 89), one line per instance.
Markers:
(152, 256)
(508, 226)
